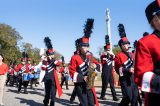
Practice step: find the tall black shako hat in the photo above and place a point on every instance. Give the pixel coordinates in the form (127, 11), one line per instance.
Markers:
(135, 44)
(63, 62)
(77, 42)
(152, 9)
(84, 41)
(107, 46)
(24, 56)
(122, 35)
(50, 50)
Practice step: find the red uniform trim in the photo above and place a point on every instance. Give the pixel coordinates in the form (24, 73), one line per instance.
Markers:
(95, 96)
(61, 70)
(151, 82)
(59, 89)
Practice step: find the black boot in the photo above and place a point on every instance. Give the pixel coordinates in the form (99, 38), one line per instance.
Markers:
(115, 99)
(103, 98)
(67, 86)
(25, 90)
(45, 103)
(51, 103)
(71, 101)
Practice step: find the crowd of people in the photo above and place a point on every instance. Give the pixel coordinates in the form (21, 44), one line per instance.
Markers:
(138, 70)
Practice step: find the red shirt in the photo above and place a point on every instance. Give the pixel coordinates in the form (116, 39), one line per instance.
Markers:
(3, 69)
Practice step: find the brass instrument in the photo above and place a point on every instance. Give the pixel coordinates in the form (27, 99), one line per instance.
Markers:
(91, 73)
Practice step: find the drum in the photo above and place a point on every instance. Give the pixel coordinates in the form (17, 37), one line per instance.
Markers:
(30, 76)
(26, 77)
(36, 76)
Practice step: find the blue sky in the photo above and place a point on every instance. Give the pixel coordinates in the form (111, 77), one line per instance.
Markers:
(63, 21)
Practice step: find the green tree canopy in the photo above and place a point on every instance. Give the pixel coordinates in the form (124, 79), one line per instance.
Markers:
(9, 38)
(116, 49)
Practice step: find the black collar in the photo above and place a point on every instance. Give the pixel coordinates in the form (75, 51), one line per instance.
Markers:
(83, 56)
(157, 33)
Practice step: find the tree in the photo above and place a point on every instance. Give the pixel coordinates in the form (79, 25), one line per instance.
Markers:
(9, 38)
(100, 50)
(33, 53)
(116, 49)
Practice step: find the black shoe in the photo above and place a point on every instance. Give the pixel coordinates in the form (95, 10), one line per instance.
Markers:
(25, 92)
(115, 99)
(18, 92)
(103, 98)
(45, 103)
(140, 103)
(71, 101)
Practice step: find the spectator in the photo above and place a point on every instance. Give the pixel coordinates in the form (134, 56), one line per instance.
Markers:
(3, 76)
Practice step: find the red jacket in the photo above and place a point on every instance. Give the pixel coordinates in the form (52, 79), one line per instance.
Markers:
(45, 64)
(106, 59)
(61, 70)
(76, 63)
(78, 67)
(29, 67)
(3, 69)
(103, 59)
(22, 67)
(44, 67)
(147, 59)
(122, 59)
(11, 71)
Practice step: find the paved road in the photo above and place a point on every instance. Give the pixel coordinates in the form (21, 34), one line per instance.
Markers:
(36, 96)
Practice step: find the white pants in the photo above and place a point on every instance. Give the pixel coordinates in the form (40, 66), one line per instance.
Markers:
(2, 84)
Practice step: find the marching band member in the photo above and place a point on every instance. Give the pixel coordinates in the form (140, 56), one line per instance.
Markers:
(51, 78)
(147, 59)
(78, 69)
(107, 61)
(125, 70)
(65, 74)
(23, 71)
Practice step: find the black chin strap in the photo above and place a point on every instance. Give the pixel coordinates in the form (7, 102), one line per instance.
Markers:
(127, 54)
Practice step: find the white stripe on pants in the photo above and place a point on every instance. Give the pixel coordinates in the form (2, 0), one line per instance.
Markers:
(2, 84)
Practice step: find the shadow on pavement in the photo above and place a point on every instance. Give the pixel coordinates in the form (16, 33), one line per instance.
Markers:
(29, 102)
(36, 92)
(31, 92)
(65, 102)
(11, 90)
(108, 103)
